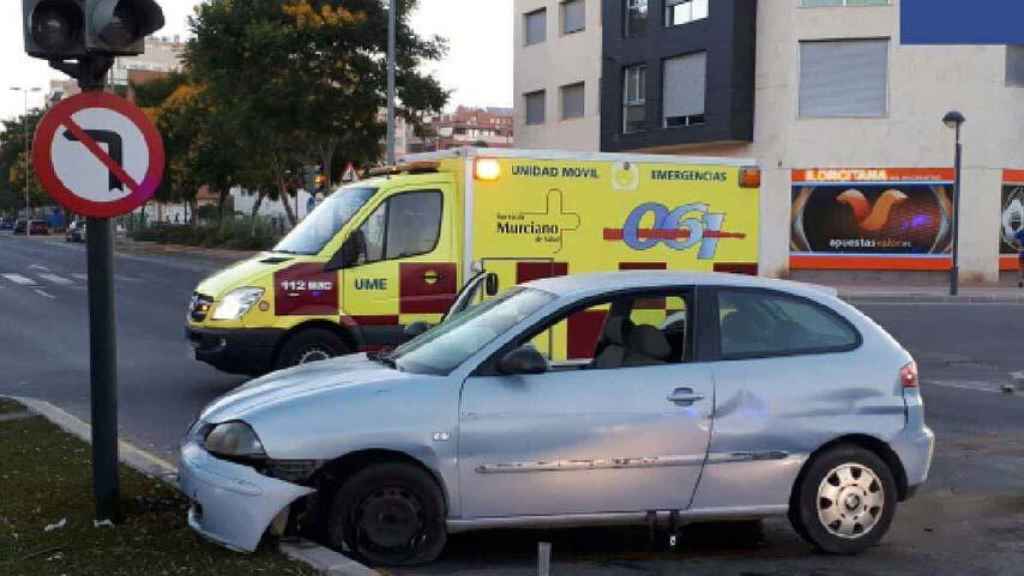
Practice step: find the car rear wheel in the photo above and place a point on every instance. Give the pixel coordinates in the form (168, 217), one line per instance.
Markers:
(389, 515)
(311, 345)
(845, 502)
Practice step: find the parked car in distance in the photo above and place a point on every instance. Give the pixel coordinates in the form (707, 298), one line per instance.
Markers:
(6, 224)
(683, 397)
(76, 232)
(38, 228)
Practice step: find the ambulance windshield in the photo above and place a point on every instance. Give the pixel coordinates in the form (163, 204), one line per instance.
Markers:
(324, 223)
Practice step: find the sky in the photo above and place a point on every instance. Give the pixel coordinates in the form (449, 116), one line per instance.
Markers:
(478, 67)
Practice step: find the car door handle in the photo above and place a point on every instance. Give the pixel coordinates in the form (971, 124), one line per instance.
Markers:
(684, 396)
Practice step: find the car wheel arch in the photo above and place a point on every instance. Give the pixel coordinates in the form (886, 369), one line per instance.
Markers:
(870, 443)
(334, 472)
(346, 336)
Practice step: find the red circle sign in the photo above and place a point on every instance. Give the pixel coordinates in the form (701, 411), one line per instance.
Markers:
(98, 155)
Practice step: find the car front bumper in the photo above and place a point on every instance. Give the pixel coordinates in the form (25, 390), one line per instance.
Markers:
(232, 504)
(236, 351)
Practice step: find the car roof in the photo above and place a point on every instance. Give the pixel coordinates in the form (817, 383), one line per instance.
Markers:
(583, 285)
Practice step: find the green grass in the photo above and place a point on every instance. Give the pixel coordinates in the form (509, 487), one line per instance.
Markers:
(10, 406)
(46, 476)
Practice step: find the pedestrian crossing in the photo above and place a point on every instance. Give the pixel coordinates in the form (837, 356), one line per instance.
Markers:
(40, 279)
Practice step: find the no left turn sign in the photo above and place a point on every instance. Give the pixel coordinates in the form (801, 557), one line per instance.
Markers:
(98, 155)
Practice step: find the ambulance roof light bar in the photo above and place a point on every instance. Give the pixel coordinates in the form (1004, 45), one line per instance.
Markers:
(417, 167)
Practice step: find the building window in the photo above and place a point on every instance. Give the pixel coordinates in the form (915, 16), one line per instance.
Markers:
(679, 12)
(574, 16)
(535, 108)
(824, 3)
(1015, 65)
(636, 17)
(573, 98)
(684, 87)
(536, 26)
(844, 78)
(634, 109)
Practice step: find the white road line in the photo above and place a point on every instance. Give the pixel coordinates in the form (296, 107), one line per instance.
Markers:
(45, 294)
(19, 279)
(59, 280)
(974, 386)
(38, 267)
(82, 277)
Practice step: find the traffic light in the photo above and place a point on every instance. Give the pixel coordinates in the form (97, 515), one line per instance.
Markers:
(120, 27)
(54, 29)
(59, 30)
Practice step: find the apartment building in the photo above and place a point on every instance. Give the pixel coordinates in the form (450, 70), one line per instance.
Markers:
(845, 120)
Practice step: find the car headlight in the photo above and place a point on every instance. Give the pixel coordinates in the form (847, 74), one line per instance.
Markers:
(234, 440)
(237, 303)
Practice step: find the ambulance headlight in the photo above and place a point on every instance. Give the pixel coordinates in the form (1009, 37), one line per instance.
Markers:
(237, 303)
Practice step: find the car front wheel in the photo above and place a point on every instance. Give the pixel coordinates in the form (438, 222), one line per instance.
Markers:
(389, 515)
(846, 501)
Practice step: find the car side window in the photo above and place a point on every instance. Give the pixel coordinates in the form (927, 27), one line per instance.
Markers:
(757, 324)
(407, 224)
(632, 331)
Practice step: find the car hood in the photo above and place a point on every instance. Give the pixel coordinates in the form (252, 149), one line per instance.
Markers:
(297, 386)
(241, 274)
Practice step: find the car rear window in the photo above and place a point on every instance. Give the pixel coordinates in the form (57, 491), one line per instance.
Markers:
(755, 323)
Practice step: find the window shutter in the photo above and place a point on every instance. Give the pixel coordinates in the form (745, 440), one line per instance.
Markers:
(574, 16)
(573, 97)
(844, 78)
(536, 27)
(535, 108)
(685, 85)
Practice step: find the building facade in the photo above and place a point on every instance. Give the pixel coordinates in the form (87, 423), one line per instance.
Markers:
(465, 126)
(557, 74)
(846, 123)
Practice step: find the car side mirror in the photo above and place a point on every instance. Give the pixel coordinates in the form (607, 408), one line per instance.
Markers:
(346, 257)
(523, 360)
(492, 284)
(415, 329)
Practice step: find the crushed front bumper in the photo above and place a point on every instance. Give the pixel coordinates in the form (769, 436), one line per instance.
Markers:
(232, 504)
(248, 351)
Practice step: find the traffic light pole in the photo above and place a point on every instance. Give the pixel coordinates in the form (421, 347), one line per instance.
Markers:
(102, 338)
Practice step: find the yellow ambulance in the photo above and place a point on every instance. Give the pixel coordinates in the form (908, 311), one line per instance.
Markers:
(392, 251)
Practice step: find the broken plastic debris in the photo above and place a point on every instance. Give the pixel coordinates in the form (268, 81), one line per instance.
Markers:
(103, 524)
(51, 527)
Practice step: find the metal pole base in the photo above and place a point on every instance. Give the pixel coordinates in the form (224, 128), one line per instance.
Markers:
(103, 369)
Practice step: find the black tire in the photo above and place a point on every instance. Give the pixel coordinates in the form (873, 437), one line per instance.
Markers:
(310, 345)
(861, 507)
(389, 515)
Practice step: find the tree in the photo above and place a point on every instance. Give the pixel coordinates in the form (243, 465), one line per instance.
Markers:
(298, 82)
(12, 162)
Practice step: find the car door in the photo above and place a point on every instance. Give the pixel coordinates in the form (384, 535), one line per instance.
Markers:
(405, 270)
(604, 437)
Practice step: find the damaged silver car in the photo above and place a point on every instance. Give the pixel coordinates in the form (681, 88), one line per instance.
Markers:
(619, 398)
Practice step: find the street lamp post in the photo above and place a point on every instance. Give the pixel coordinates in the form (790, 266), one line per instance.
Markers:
(392, 32)
(24, 123)
(954, 120)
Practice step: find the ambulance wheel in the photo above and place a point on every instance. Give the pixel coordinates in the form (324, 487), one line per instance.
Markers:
(310, 345)
(389, 514)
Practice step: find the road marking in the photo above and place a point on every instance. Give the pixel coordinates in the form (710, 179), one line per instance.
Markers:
(19, 279)
(972, 385)
(59, 280)
(82, 277)
(45, 294)
(38, 267)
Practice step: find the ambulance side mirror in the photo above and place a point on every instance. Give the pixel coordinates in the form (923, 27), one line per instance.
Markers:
(492, 284)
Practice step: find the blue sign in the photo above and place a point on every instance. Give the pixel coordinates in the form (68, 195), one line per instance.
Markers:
(959, 22)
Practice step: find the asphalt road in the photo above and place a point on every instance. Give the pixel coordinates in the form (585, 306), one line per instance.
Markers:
(969, 518)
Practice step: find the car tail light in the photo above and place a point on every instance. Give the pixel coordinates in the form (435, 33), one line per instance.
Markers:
(908, 376)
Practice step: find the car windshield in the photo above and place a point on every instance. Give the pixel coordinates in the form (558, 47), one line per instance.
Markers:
(444, 348)
(324, 223)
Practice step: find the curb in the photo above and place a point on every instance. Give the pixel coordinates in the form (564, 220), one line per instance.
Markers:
(323, 560)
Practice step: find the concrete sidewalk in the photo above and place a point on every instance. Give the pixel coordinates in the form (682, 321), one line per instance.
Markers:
(935, 294)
